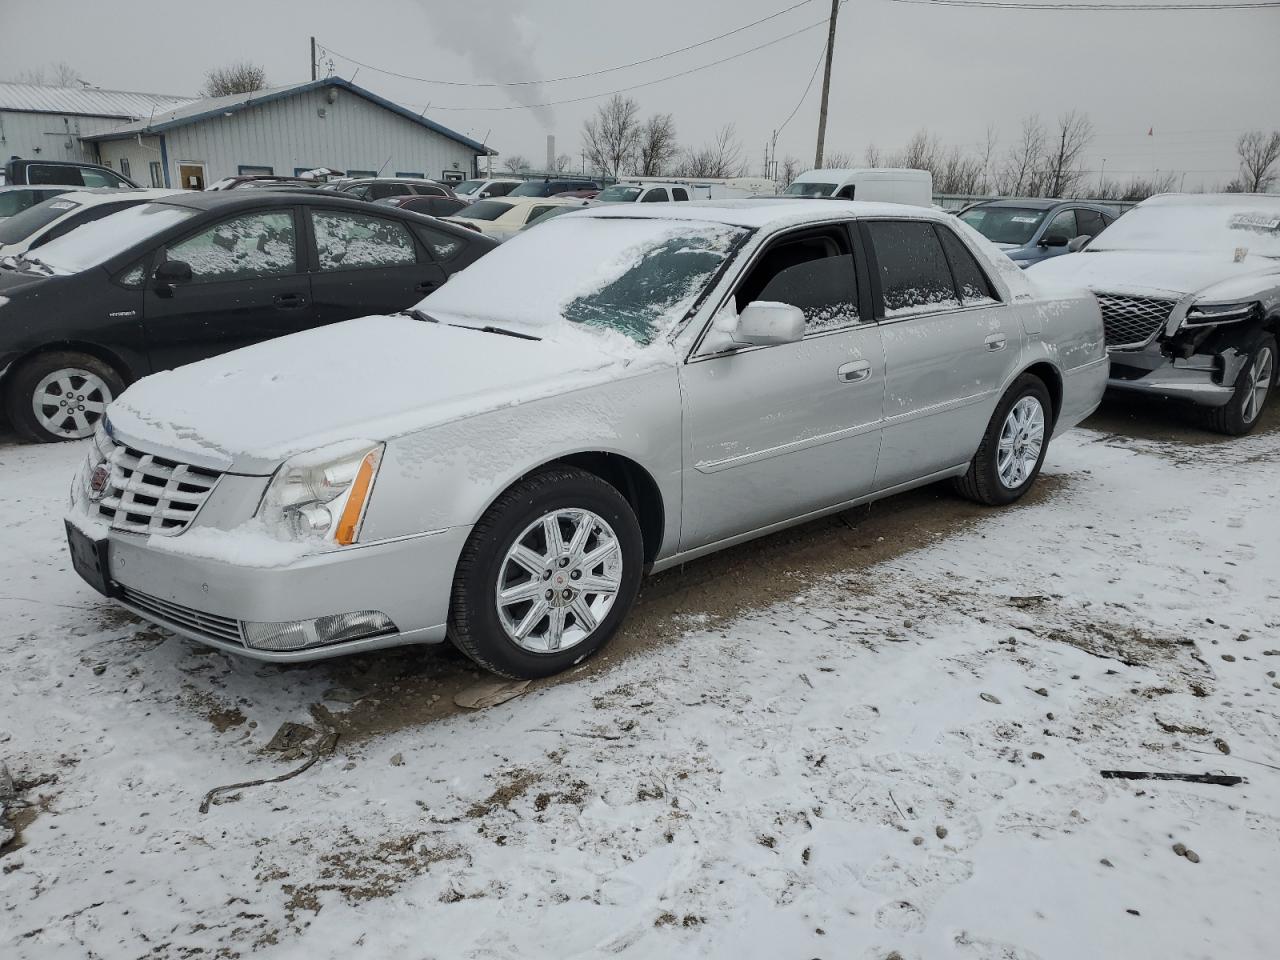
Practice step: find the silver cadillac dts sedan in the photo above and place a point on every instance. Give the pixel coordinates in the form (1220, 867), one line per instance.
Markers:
(619, 391)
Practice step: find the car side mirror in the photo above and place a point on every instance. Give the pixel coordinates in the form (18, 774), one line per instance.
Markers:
(1078, 243)
(484, 194)
(763, 323)
(173, 271)
(1056, 241)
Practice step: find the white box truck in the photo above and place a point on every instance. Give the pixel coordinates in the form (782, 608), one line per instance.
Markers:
(884, 184)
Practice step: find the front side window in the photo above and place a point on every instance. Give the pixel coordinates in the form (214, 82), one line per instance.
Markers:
(1062, 229)
(619, 193)
(799, 189)
(974, 286)
(350, 241)
(814, 273)
(914, 276)
(250, 245)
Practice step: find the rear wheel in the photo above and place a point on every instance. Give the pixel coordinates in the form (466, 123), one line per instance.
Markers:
(1241, 413)
(547, 575)
(1014, 446)
(60, 396)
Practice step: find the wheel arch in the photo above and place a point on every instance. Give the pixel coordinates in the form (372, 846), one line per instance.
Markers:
(129, 371)
(1051, 376)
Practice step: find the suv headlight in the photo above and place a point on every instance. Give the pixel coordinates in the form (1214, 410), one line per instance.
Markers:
(1202, 315)
(322, 495)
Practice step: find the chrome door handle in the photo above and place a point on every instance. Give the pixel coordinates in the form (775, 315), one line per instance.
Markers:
(853, 371)
(996, 342)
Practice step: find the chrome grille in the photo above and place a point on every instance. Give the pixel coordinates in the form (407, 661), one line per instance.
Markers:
(1132, 321)
(169, 614)
(145, 493)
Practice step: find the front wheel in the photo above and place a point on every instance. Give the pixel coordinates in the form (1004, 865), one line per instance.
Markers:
(547, 575)
(1014, 446)
(1253, 386)
(60, 395)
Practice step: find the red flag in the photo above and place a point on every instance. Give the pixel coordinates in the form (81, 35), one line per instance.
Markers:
(1151, 131)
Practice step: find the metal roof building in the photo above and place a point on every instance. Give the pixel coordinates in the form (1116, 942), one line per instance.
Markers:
(286, 130)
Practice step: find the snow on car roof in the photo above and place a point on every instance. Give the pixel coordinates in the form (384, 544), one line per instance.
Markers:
(766, 212)
(1245, 201)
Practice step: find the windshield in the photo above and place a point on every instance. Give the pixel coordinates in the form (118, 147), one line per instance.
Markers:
(1016, 225)
(619, 193)
(1253, 226)
(540, 188)
(644, 276)
(24, 224)
(97, 242)
(484, 210)
(799, 189)
(467, 187)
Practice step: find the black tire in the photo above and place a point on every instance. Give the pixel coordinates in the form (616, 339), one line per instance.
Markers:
(982, 483)
(474, 624)
(1231, 418)
(23, 382)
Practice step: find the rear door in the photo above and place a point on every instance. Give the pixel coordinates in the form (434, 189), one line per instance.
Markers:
(950, 346)
(248, 283)
(777, 432)
(366, 264)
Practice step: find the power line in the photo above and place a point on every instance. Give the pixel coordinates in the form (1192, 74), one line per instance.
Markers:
(807, 87)
(1123, 6)
(576, 76)
(637, 86)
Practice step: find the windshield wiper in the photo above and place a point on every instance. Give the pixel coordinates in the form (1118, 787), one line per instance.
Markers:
(419, 315)
(39, 264)
(498, 330)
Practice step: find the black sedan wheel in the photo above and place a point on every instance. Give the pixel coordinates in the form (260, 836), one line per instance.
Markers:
(60, 396)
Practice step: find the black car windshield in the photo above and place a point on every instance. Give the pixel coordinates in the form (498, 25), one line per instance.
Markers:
(484, 210)
(97, 242)
(799, 189)
(1015, 225)
(619, 193)
(645, 275)
(20, 226)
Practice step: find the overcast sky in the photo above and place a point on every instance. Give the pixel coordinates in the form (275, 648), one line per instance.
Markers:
(1197, 78)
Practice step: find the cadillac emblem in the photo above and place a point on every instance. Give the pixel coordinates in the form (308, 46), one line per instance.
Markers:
(98, 481)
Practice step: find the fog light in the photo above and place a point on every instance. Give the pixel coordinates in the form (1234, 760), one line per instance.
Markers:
(300, 634)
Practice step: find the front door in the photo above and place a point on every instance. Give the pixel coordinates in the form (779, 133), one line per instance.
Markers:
(366, 265)
(778, 432)
(191, 176)
(950, 346)
(246, 285)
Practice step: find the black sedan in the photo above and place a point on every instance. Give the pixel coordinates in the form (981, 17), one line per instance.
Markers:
(177, 280)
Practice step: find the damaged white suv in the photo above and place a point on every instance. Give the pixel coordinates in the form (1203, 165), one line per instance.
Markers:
(1189, 286)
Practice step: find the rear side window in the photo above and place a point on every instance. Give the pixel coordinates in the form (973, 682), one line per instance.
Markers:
(815, 273)
(352, 241)
(914, 276)
(53, 173)
(679, 193)
(443, 246)
(428, 190)
(972, 282)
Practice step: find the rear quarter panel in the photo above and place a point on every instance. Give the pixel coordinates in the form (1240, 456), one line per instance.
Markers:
(1064, 328)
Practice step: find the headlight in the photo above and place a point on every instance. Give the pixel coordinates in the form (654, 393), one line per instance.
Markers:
(322, 495)
(1204, 314)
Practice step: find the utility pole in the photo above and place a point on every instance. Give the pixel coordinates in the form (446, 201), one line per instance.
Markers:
(313, 58)
(826, 82)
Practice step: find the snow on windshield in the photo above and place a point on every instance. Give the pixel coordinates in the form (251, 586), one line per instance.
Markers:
(96, 242)
(636, 277)
(1194, 228)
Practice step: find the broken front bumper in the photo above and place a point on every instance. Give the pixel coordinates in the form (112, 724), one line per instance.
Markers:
(1206, 379)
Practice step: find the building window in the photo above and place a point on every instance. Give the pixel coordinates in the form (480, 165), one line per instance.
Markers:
(252, 170)
(420, 176)
(362, 173)
(157, 174)
(124, 166)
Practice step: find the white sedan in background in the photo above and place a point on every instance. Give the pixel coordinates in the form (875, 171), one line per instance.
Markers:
(503, 219)
(50, 219)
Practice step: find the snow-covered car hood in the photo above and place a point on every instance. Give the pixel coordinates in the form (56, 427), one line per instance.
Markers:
(374, 378)
(1158, 274)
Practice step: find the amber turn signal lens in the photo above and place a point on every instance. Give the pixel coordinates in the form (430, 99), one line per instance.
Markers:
(349, 522)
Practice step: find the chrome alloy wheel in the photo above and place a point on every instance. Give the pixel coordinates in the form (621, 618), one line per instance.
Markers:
(558, 580)
(1021, 440)
(1261, 373)
(68, 403)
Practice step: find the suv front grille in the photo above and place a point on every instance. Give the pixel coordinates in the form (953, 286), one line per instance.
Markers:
(1132, 321)
(145, 493)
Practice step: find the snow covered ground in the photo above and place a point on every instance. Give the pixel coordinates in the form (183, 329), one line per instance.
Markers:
(901, 762)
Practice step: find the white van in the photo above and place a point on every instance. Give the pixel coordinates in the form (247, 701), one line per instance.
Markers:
(886, 184)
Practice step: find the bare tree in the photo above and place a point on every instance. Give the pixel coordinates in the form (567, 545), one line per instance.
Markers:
(1258, 152)
(241, 77)
(1020, 175)
(721, 158)
(922, 152)
(60, 74)
(611, 138)
(1138, 188)
(1064, 160)
(563, 163)
(837, 160)
(789, 170)
(872, 157)
(516, 163)
(657, 146)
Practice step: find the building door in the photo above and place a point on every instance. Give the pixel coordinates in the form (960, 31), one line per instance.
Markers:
(191, 176)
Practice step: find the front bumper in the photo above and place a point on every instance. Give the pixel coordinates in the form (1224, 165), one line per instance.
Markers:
(1203, 379)
(408, 579)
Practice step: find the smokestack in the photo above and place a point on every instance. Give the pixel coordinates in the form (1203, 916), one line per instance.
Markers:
(551, 151)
